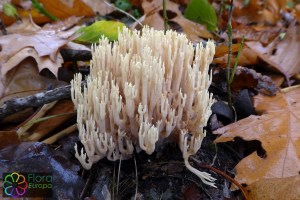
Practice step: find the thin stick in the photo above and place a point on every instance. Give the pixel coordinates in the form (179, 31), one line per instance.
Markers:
(136, 179)
(86, 185)
(229, 33)
(126, 13)
(118, 177)
(222, 174)
(18, 104)
(22, 130)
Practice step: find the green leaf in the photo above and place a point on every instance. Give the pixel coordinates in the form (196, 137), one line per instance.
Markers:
(202, 12)
(39, 7)
(123, 5)
(92, 33)
(10, 10)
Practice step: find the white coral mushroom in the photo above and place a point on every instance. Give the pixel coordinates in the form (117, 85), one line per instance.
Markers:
(142, 88)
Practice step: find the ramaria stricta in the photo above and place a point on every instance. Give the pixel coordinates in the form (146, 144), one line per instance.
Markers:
(141, 89)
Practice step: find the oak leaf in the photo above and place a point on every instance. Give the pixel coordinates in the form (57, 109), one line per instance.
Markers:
(33, 42)
(277, 128)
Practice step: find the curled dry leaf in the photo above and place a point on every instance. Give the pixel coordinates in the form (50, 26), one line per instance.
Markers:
(152, 10)
(43, 62)
(283, 55)
(24, 80)
(249, 78)
(247, 57)
(278, 131)
(42, 45)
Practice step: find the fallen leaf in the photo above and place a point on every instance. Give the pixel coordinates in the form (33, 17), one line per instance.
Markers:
(266, 12)
(34, 42)
(263, 34)
(99, 6)
(281, 54)
(152, 10)
(277, 128)
(23, 80)
(92, 34)
(247, 57)
(249, 78)
(58, 8)
(275, 188)
(223, 49)
(42, 61)
(61, 25)
(8, 138)
(202, 12)
(39, 157)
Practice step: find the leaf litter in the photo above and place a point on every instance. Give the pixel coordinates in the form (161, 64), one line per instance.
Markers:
(277, 128)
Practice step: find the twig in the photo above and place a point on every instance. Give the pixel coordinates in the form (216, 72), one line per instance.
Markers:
(224, 175)
(18, 104)
(87, 184)
(118, 177)
(126, 13)
(22, 130)
(136, 179)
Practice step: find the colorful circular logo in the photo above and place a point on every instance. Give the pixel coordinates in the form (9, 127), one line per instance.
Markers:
(15, 185)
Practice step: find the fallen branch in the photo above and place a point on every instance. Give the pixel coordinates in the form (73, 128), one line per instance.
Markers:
(18, 104)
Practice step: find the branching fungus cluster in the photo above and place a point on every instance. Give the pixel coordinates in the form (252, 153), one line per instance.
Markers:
(141, 89)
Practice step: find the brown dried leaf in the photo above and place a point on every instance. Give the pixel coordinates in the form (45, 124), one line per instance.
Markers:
(281, 54)
(59, 8)
(24, 80)
(247, 57)
(258, 12)
(278, 131)
(248, 78)
(29, 40)
(263, 34)
(275, 188)
(99, 6)
(8, 138)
